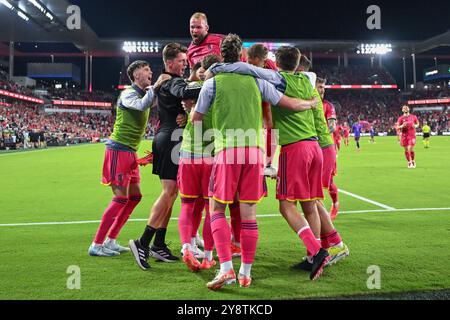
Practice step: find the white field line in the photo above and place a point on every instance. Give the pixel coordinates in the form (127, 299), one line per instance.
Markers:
(258, 216)
(367, 200)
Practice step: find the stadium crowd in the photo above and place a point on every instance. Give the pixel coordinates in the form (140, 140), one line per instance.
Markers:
(24, 126)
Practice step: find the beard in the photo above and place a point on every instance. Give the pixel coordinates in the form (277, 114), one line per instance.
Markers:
(198, 38)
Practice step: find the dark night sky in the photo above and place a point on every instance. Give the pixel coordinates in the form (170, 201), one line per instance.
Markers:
(401, 20)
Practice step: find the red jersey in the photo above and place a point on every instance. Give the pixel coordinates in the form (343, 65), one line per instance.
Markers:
(408, 130)
(346, 130)
(209, 45)
(337, 133)
(328, 110)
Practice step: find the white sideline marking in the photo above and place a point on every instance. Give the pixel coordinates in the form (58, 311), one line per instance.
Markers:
(367, 200)
(259, 216)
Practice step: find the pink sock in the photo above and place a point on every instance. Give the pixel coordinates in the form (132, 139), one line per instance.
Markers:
(312, 245)
(333, 191)
(221, 233)
(110, 214)
(124, 215)
(249, 239)
(207, 234)
(235, 217)
(197, 215)
(413, 154)
(185, 219)
(408, 156)
(331, 239)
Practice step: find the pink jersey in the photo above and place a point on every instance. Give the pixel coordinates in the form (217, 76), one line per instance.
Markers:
(409, 130)
(328, 110)
(209, 45)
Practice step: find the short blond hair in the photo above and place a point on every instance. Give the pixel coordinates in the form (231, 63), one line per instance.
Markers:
(200, 15)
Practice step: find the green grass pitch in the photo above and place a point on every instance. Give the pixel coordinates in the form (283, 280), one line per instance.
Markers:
(62, 185)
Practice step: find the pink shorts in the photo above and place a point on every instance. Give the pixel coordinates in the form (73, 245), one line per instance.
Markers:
(193, 177)
(238, 171)
(120, 168)
(300, 172)
(329, 165)
(408, 141)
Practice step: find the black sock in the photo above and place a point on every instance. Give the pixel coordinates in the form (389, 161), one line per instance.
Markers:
(147, 236)
(160, 237)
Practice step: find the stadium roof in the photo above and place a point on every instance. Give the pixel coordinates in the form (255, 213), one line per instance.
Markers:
(40, 30)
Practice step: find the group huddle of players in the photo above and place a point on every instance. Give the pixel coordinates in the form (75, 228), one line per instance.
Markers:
(232, 93)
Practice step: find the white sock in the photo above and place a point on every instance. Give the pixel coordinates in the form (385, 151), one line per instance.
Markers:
(192, 242)
(187, 246)
(245, 269)
(226, 266)
(96, 245)
(310, 259)
(339, 245)
(237, 244)
(208, 255)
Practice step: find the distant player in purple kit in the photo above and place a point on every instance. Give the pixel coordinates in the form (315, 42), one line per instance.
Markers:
(357, 128)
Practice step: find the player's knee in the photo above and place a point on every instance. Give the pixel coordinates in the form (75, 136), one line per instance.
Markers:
(135, 198)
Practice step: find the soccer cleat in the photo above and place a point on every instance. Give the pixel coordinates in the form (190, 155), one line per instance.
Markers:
(206, 264)
(199, 241)
(305, 265)
(270, 172)
(337, 253)
(222, 279)
(244, 281)
(163, 254)
(413, 164)
(140, 254)
(190, 261)
(101, 251)
(409, 165)
(319, 262)
(235, 250)
(334, 211)
(114, 246)
(198, 254)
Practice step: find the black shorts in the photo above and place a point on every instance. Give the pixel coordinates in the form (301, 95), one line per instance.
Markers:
(166, 155)
(426, 135)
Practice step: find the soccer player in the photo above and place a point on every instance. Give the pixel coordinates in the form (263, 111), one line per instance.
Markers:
(258, 56)
(426, 130)
(300, 162)
(357, 128)
(235, 102)
(329, 154)
(165, 158)
(120, 170)
(196, 158)
(372, 134)
(408, 123)
(346, 130)
(330, 237)
(203, 43)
